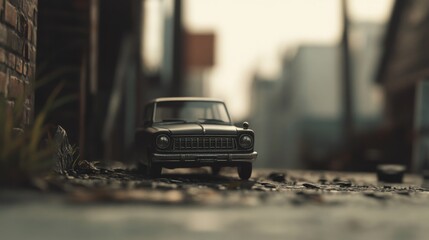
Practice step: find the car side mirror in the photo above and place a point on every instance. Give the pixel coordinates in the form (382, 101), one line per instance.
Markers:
(245, 125)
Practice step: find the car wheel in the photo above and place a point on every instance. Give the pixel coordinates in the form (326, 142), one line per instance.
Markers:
(244, 171)
(154, 170)
(215, 170)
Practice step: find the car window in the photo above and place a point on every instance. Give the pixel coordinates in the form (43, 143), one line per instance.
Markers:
(191, 111)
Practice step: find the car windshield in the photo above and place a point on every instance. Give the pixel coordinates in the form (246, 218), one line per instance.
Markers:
(191, 111)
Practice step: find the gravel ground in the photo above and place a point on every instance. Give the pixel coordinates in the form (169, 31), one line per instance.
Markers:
(113, 204)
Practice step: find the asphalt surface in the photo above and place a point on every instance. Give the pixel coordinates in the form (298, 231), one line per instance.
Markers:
(183, 204)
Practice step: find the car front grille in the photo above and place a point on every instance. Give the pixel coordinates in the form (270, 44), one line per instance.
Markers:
(204, 143)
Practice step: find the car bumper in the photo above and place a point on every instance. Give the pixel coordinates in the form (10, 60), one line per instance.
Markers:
(204, 157)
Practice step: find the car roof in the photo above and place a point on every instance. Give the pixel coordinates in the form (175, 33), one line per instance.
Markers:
(185, 99)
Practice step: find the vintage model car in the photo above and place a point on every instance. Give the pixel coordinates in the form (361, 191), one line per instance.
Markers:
(192, 132)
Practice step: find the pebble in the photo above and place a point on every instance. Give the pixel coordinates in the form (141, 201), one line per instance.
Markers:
(311, 185)
(277, 177)
(268, 185)
(390, 173)
(175, 181)
(323, 181)
(344, 183)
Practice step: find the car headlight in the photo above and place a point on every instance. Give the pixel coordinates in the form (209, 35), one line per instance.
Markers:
(246, 141)
(162, 141)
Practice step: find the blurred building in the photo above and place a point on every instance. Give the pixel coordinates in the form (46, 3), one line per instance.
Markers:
(403, 70)
(365, 54)
(301, 112)
(263, 120)
(297, 117)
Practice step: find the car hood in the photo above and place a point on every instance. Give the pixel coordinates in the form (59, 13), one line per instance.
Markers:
(198, 129)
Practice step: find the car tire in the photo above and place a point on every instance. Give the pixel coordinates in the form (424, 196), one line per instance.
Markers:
(215, 170)
(154, 171)
(244, 171)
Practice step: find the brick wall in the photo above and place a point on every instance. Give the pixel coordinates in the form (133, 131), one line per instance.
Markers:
(18, 25)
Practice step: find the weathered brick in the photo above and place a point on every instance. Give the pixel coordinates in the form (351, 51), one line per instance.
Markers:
(16, 88)
(3, 34)
(34, 36)
(2, 55)
(10, 105)
(29, 10)
(18, 65)
(25, 5)
(11, 60)
(30, 71)
(3, 84)
(35, 16)
(28, 92)
(14, 41)
(24, 52)
(10, 14)
(24, 69)
(29, 33)
(26, 116)
(16, 3)
(22, 25)
(18, 29)
(32, 54)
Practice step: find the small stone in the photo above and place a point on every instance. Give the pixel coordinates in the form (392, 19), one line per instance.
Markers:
(260, 188)
(344, 183)
(323, 180)
(277, 177)
(175, 181)
(336, 179)
(390, 173)
(268, 185)
(311, 185)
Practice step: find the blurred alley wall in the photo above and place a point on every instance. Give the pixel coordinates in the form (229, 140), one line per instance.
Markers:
(95, 52)
(89, 50)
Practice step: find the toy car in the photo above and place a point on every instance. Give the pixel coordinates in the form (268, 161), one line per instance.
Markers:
(192, 132)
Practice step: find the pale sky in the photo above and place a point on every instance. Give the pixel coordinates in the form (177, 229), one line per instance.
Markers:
(253, 36)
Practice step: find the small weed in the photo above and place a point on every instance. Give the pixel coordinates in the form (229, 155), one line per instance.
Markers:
(67, 156)
(25, 151)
